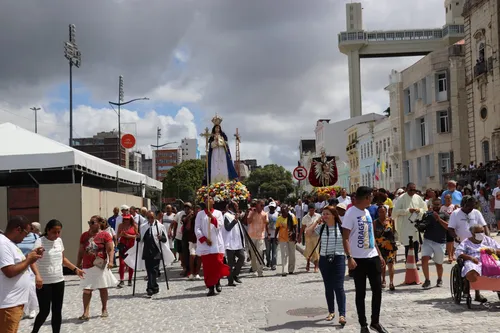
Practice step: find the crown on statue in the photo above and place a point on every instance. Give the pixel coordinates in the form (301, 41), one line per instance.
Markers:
(216, 120)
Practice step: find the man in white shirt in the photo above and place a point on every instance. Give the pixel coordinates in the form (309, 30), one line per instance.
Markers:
(234, 241)
(344, 198)
(141, 221)
(270, 240)
(463, 218)
(15, 280)
(363, 257)
(496, 196)
(460, 222)
(311, 240)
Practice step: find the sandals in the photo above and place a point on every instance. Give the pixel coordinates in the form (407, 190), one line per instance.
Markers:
(391, 287)
(330, 317)
(383, 285)
(104, 314)
(84, 318)
(308, 266)
(342, 320)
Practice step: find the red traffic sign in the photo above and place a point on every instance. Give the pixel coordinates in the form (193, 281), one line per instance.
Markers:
(128, 141)
(300, 173)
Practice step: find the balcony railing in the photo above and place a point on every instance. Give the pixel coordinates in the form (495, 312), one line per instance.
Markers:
(400, 35)
(350, 146)
(480, 68)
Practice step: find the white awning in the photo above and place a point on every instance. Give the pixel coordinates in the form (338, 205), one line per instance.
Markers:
(21, 149)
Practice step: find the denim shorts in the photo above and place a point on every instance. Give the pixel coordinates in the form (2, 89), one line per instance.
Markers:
(434, 250)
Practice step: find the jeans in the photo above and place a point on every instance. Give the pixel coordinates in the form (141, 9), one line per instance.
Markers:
(271, 248)
(333, 274)
(416, 247)
(151, 265)
(287, 254)
(371, 268)
(235, 265)
(50, 296)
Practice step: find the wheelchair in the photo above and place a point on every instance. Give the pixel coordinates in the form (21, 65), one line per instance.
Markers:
(461, 287)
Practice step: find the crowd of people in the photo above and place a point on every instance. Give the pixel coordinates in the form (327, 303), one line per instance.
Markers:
(360, 233)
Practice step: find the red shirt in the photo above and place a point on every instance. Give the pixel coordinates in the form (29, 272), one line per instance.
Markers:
(94, 246)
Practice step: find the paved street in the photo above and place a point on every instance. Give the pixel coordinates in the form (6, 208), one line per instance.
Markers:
(271, 304)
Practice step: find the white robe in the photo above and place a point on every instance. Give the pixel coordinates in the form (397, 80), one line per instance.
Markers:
(168, 256)
(401, 213)
(201, 226)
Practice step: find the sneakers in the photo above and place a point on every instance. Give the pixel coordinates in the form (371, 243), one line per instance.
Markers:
(365, 329)
(120, 285)
(439, 283)
(378, 328)
(191, 277)
(129, 283)
(426, 284)
(197, 277)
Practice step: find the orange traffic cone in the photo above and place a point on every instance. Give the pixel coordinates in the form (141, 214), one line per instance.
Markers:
(411, 275)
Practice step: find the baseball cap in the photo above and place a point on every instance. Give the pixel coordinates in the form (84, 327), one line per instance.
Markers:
(124, 207)
(188, 204)
(272, 204)
(342, 206)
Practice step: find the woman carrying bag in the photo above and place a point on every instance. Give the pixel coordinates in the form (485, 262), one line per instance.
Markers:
(331, 260)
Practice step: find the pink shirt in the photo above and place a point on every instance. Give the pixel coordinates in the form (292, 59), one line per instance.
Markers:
(257, 224)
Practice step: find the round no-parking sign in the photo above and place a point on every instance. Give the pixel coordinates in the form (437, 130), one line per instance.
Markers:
(300, 173)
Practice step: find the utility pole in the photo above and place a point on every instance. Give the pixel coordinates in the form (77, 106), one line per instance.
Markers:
(158, 146)
(121, 94)
(36, 120)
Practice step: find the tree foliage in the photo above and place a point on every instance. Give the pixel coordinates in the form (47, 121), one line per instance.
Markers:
(183, 180)
(270, 181)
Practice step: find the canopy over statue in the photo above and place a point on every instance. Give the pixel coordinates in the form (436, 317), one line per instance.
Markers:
(323, 171)
(220, 166)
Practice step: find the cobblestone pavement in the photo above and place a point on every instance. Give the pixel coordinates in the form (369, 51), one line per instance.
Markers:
(271, 304)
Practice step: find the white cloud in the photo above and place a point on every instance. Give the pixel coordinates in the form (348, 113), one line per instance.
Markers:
(87, 121)
(169, 92)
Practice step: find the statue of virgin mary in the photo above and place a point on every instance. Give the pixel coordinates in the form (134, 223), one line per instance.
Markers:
(220, 164)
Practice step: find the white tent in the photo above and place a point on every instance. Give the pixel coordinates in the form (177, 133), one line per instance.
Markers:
(21, 149)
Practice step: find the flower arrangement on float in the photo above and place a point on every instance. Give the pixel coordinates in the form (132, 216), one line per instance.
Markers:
(327, 190)
(224, 191)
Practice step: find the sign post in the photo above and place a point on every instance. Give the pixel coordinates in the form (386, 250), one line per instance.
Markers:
(300, 173)
(128, 141)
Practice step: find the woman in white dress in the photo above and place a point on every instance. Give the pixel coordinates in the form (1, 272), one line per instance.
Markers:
(95, 257)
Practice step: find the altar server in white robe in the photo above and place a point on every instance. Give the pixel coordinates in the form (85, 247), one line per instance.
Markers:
(152, 236)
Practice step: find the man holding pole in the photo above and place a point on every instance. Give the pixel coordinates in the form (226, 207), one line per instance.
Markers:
(210, 246)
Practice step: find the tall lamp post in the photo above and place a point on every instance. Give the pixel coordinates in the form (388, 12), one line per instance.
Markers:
(74, 57)
(120, 103)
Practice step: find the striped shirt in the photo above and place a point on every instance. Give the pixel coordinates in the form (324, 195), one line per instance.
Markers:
(50, 265)
(331, 240)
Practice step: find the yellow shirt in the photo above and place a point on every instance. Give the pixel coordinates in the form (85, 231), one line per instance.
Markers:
(389, 203)
(282, 224)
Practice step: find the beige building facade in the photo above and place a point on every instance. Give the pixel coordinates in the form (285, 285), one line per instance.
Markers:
(429, 115)
(481, 26)
(353, 158)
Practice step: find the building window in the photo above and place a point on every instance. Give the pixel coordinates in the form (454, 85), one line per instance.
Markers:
(486, 151)
(483, 113)
(385, 145)
(445, 162)
(442, 84)
(480, 52)
(388, 142)
(371, 148)
(376, 148)
(423, 141)
(443, 122)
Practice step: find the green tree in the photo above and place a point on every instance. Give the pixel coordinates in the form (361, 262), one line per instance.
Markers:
(270, 181)
(183, 180)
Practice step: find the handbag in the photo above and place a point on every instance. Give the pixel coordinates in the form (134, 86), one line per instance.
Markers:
(489, 265)
(100, 263)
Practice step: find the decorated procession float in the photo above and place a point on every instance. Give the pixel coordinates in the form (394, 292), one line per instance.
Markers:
(323, 174)
(221, 179)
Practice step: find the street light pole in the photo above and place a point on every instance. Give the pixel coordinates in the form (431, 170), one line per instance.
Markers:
(74, 57)
(158, 146)
(120, 104)
(36, 120)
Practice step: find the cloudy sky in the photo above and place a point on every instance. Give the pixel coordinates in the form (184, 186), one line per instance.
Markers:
(270, 68)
